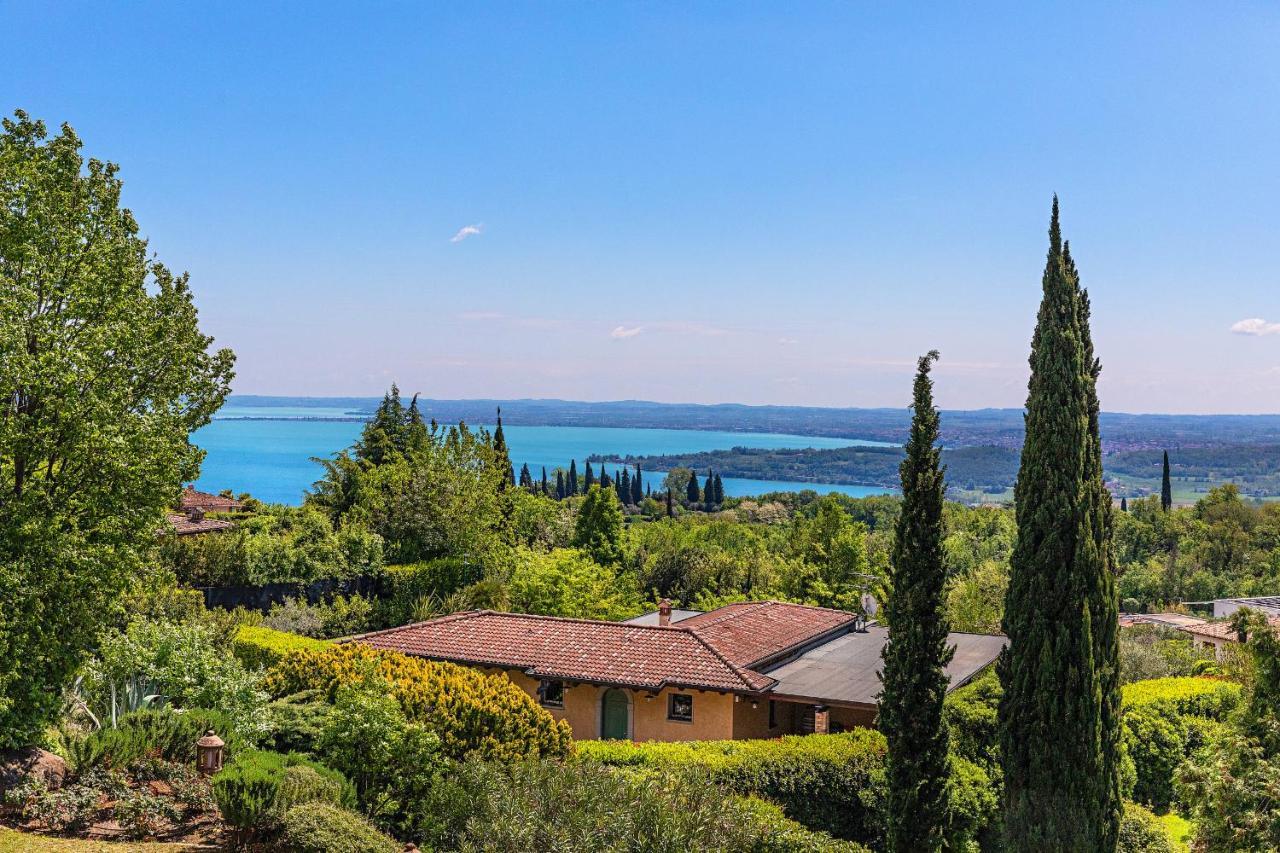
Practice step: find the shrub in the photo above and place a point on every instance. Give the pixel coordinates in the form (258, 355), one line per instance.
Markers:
(318, 827)
(970, 714)
(297, 721)
(260, 647)
(301, 784)
(406, 585)
(1155, 742)
(546, 805)
(248, 790)
(474, 714)
(167, 733)
(831, 783)
(337, 618)
(1141, 832)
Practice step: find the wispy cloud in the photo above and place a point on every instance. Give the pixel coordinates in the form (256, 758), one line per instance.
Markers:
(1255, 326)
(787, 341)
(467, 231)
(620, 332)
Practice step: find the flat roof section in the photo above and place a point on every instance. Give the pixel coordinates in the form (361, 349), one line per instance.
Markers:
(651, 618)
(844, 671)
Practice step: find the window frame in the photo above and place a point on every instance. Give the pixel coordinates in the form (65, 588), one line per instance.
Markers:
(672, 716)
(543, 688)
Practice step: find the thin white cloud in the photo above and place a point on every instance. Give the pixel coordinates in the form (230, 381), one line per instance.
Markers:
(467, 231)
(1255, 326)
(787, 341)
(620, 332)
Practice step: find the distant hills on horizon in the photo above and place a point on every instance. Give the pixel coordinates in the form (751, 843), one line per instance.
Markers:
(960, 427)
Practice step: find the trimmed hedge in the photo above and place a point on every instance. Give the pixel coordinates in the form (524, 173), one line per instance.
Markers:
(476, 715)
(830, 783)
(1142, 832)
(324, 828)
(260, 648)
(1199, 697)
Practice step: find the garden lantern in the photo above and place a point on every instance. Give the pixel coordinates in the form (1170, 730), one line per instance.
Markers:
(209, 753)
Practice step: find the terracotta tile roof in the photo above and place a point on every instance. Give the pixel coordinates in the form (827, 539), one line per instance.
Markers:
(714, 654)
(185, 525)
(1223, 630)
(755, 631)
(192, 499)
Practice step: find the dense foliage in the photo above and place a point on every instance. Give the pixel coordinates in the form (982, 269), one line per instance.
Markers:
(474, 714)
(103, 374)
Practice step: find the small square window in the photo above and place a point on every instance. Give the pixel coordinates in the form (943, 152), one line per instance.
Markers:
(551, 694)
(680, 708)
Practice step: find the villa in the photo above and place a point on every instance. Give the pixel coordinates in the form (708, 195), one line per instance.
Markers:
(750, 670)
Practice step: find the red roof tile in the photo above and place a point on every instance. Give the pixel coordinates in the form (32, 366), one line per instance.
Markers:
(754, 631)
(184, 525)
(713, 655)
(193, 499)
(1223, 630)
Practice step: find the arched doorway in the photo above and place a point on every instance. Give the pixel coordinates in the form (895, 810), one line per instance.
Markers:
(615, 715)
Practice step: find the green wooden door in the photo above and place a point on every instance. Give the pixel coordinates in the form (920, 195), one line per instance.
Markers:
(614, 711)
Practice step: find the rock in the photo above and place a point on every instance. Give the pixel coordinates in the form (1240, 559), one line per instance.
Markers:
(18, 765)
(160, 788)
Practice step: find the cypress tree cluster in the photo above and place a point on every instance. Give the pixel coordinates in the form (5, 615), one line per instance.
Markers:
(1059, 714)
(915, 659)
(1166, 486)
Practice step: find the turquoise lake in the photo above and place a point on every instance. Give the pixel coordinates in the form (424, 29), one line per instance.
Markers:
(267, 451)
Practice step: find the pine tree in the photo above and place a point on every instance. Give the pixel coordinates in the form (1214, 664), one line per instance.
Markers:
(637, 488)
(1059, 714)
(691, 491)
(1166, 486)
(503, 457)
(719, 489)
(560, 494)
(624, 487)
(588, 479)
(571, 486)
(671, 506)
(916, 656)
(526, 479)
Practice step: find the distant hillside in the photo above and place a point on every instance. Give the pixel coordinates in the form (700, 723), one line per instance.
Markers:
(982, 427)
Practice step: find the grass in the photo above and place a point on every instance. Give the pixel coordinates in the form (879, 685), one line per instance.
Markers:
(1178, 829)
(12, 841)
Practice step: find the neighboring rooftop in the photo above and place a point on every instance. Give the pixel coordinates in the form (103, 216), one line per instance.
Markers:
(195, 522)
(1223, 630)
(845, 670)
(1172, 620)
(652, 617)
(193, 499)
(1268, 604)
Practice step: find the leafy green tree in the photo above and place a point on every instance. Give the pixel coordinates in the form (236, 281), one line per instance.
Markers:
(1060, 709)
(1166, 486)
(567, 582)
(104, 373)
(598, 529)
(916, 656)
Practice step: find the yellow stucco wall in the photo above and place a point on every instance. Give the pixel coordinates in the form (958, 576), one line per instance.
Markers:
(751, 722)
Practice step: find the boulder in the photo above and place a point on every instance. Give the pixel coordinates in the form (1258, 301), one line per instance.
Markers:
(19, 765)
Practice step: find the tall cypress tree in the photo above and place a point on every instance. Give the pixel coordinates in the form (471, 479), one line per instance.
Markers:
(571, 485)
(709, 488)
(1166, 486)
(605, 481)
(1059, 712)
(559, 485)
(691, 491)
(671, 506)
(544, 480)
(719, 489)
(624, 487)
(589, 478)
(637, 487)
(503, 457)
(526, 479)
(916, 656)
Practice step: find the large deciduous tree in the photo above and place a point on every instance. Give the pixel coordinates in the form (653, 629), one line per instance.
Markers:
(1059, 714)
(915, 659)
(103, 374)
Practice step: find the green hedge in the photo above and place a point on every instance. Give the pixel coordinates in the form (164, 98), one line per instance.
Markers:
(1166, 721)
(323, 828)
(261, 648)
(830, 783)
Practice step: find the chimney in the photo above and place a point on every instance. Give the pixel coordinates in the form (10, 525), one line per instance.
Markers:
(664, 613)
(195, 513)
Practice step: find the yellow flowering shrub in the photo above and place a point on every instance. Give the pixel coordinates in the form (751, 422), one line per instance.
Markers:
(258, 647)
(475, 714)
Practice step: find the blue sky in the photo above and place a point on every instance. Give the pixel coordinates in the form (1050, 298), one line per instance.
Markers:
(753, 202)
